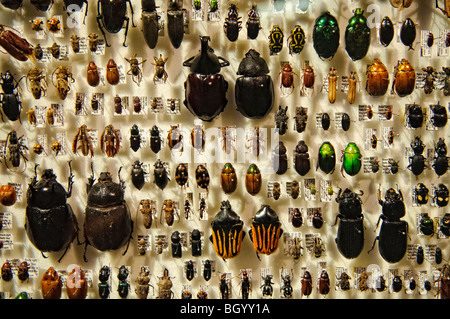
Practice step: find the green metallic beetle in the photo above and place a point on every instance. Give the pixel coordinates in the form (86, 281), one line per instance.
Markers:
(197, 4)
(357, 36)
(276, 38)
(213, 6)
(296, 41)
(351, 159)
(326, 158)
(326, 36)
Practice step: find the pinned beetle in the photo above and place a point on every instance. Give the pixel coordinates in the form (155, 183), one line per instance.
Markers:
(50, 223)
(404, 78)
(150, 23)
(357, 36)
(377, 79)
(301, 159)
(227, 232)
(265, 231)
(205, 88)
(175, 22)
(326, 158)
(14, 44)
(326, 36)
(107, 225)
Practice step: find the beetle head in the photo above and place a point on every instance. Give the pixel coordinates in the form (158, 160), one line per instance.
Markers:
(105, 177)
(48, 174)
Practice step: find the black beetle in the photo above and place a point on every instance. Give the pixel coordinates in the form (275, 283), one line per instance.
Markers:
(426, 225)
(441, 195)
(103, 285)
(440, 160)
(161, 176)
(15, 145)
(232, 24)
(254, 90)
(202, 176)
(245, 285)
(207, 269)
(9, 99)
(393, 235)
(279, 159)
(445, 224)
(421, 194)
(397, 284)
(124, 285)
(345, 122)
(386, 31)
(205, 88)
(317, 219)
(420, 255)
(182, 174)
(253, 24)
(135, 138)
(301, 158)
(439, 117)
(108, 224)
(415, 116)
(50, 222)
(350, 234)
(301, 118)
(267, 289)
(112, 15)
(190, 271)
(417, 161)
(150, 22)
(138, 175)
(408, 33)
(325, 121)
(297, 219)
(176, 244)
(155, 139)
(438, 255)
(175, 22)
(286, 289)
(72, 6)
(12, 4)
(196, 243)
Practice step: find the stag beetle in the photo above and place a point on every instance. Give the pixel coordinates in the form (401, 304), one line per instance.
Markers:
(350, 235)
(50, 223)
(392, 239)
(112, 15)
(108, 224)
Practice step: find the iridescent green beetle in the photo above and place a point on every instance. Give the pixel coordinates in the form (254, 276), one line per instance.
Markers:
(296, 41)
(197, 4)
(357, 36)
(213, 6)
(276, 38)
(351, 159)
(326, 158)
(326, 36)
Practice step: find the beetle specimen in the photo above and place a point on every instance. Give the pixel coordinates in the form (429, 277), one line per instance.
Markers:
(377, 78)
(408, 33)
(253, 180)
(279, 159)
(143, 283)
(182, 174)
(362, 284)
(155, 139)
(351, 160)
(392, 238)
(246, 286)
(227, 232)
(135, 138)
(161, 176)
(254, 90)
(111, 15)
(76, 284)
(160, 71)
(175, 138)
(296, 40)
(426, 225)
(253, 24)
(350, 234)
(421, 194)
(7, 274)
(54, 25)
(276, 38)
(306, 283)
(446, 87)
(62, 75)
(308, 79)
(287, 79)
(415, 116)
(138, 175)
(441, 195)
(14, 44)
(281, 120)
(14, 149)
(93, 42)
(265, 231)
(36, 83)
(165, 286)
(83, 141)
(176, 244)
(326, 36)
(202, 176)
(205, 88)
(112, 72)
(8, 196)
(439, 117)
(332, 84)
(150, 22)
(301, 118)
(196, 243)
(324, 283)
(344, 281)
(148, 212)
(301, 159)
(430, 77)
(386, 31)
(103, 285)
(110, 141)
(175, 22)
(92, 74)
(51, 284)
(169, 210)
(124, 286)
(440, 160)
(9, 99)
(22, 272)
(135, 71)
(444, 282)
(357, 36)
(417, 161)
(267, 289)
(198, 138)
(114, 229)
(57, 147)
(232, 24)
(404, 78)
(228, 179)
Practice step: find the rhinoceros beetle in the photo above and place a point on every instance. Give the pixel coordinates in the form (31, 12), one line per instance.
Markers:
(107, 225)
(254, 91)
(417, 161)
(393, 235)
(205, 88)
(350, 234)
(440, 163)
(50, 223)
(111, 17)
(9, 99)
(150, 22)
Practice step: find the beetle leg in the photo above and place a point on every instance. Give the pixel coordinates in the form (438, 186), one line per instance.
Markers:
(127, 23)
(91, 179)
(70, 180)
(132, 12)
(376, 238)
(99, 18)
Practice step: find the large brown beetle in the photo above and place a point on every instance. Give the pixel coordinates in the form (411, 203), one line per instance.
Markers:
(50, 223)
(108, 224)
(14, 44)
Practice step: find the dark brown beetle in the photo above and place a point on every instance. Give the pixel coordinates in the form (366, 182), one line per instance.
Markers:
(38, 52)
(93, 76)
(174, 137)
(76, 284)
(22, 272)
(118, 106)
(55, 50)
(135, 71)
(148, 212)
(112, 72)
(430, 77)
(295, 189)
(306, 284)
(253, 180)
(137, 106)
(6, 271)
(168, 210)
(62, 75)
(308, 78)
(75, 43)
(83, 141)
(444, 282)
(228, 179)
(160, 71)
(198, 138)
(15, 45)
(324, 283)
(377, 79)
(404, 78)
(276, 190)
(110, 141)
(287, 78)
(51, 284)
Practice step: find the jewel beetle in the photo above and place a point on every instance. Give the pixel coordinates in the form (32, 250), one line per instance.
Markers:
(441, 195)
(301, 158)
(326, 36)
(265, 231)
(150, 22)
(350, 234)
(326, 158)
(351, 159)
(357, 36)
(205, 88)
(393, 236)
(138, 175)
(440, 160)
(386, 31)
(50, 223)
(108, 224)
(254, 90)
(227, 232)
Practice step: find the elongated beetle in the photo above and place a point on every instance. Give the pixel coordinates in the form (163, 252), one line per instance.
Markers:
(417, 161)
(150, 23)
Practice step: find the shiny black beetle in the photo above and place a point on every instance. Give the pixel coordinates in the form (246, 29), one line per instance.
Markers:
(150, 22)
(417, 161)
(393, 235)
(108, 224)
(301, 158)
(350, 234)
(233, 23)
(161, 175)
(112, 15)
(9, 100)
(138, 175)
(175, 22)
(50, 223)
(440, 160)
